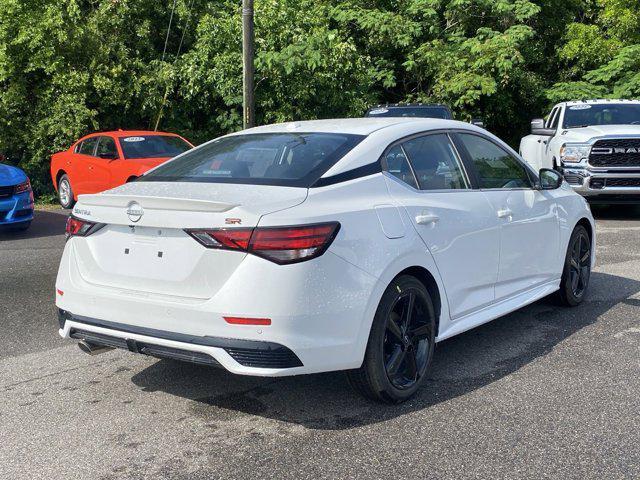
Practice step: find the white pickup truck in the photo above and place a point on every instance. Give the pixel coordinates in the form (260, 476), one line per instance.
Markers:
(594, 143)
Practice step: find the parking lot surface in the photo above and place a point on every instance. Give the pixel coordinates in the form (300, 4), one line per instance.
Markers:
(545, 392)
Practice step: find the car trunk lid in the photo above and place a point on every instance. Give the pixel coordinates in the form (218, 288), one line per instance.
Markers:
(143, 246)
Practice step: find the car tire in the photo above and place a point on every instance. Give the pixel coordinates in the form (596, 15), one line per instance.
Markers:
(65, 193)
(577, 268)
(400, 347)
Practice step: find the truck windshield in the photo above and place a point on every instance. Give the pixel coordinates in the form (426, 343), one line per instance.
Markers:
(434, 111)
(584, 114)
(286, 159)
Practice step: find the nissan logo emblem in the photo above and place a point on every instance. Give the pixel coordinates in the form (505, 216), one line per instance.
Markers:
(134, 211)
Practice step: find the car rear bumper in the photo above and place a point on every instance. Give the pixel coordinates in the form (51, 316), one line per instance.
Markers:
(16, 209)
(320, 314)
(232, 354)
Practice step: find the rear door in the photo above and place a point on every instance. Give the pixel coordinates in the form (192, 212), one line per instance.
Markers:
(84, 155)
(456, 222)
(100, 165)
(530, 234)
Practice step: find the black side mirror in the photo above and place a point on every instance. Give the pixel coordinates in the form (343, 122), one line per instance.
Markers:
(108, 156)
(549, 179)
(537, 128)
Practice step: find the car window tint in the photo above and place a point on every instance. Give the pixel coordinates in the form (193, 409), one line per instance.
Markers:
(107, 147)
(88, 146)
(496, 168)
(397, 165)
(554, 120)
(152, 146)
(435, 163)
(551, 117)
(283, 158)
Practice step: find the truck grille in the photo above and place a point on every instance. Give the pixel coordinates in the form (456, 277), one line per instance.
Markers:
(619, 152)
(6, 191)
(622, 182)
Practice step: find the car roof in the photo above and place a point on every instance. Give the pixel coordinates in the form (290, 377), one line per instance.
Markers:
(353, 126)
(597, 101)
(128, 133)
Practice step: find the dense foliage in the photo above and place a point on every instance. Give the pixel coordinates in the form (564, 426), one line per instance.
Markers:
(74, 66)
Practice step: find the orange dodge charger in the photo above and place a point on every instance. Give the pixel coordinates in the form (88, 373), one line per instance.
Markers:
(104, 160)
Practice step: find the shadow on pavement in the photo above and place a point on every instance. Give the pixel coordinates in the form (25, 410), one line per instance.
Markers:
(461, 365)
(616, 212)
(44, 224)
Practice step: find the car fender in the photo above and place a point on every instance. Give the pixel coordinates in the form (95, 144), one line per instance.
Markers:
(417, 256)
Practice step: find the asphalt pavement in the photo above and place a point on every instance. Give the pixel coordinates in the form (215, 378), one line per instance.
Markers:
(545, 392)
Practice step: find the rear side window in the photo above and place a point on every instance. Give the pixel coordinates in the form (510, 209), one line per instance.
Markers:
(88, 146)
(435, 163)
(152, 146)
(496, 168)
(396, 164)
(287, 159)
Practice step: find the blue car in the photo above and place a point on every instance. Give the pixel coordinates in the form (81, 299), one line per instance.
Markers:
(16, 199)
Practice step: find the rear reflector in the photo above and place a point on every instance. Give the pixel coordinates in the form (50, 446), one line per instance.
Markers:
(247, 321)
(281, 245)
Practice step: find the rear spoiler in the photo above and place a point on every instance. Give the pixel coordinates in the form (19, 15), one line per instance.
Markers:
(154, 203)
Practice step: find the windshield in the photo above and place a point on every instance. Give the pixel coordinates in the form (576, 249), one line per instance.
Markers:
(152, 146)
(584, 115)
(287, 159)
(420, 112)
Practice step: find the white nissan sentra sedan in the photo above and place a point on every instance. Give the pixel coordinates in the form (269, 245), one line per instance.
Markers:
(352, 244)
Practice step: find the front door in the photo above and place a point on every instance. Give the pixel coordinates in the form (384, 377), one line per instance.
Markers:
(530, 233)
(456, 222)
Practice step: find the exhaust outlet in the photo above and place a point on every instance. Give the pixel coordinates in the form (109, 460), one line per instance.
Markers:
(92, 348)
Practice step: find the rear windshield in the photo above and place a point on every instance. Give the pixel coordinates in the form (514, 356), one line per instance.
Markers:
(287, 159)
(152, 146)
(419, 112)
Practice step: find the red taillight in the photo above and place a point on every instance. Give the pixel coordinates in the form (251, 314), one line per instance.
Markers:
(278, 244)
(80, 228)
(23, 187)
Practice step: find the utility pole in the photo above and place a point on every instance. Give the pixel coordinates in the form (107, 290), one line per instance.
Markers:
(248, 101)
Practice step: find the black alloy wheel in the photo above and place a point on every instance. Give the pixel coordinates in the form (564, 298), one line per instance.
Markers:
(406, 343)
(401, 343)
(577, 268)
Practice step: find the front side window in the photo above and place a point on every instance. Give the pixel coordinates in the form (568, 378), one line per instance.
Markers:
(551, 118)
(88, 146)
(152, 146)
(396, 164)
(435, 163)
(496, 168)
(107, 148)
(287, 159)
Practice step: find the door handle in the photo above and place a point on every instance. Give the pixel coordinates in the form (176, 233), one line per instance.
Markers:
(426, 219)
(504, 213)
